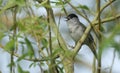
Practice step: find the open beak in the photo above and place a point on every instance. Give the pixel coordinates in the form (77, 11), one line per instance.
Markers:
(66, 19)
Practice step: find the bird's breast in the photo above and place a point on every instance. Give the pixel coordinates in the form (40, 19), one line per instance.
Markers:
(76, 31)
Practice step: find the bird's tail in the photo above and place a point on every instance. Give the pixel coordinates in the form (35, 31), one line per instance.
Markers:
(93, 47)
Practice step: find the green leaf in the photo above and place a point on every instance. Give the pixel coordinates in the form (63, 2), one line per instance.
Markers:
(45, 71)
(1, 35)
(109, 41)
(60, 2)
(0, 2)
(106, 42)
(20, 2)
(22, 57)
(56, 52)
(20, 70)
(10, 45)
(12, 27)
(32, 64)
(61, 69)
(44, 42)
(83, 7)
(11, 64)
(30, 48)
(21, 26)
(9, 4)
(116, 45)
(102, 29)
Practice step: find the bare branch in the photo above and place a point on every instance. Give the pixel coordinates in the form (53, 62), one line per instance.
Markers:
(108, 19)
(77, 47)
(98, 2)
(103, 7)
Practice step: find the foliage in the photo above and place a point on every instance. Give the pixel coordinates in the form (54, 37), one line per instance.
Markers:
(38, 39)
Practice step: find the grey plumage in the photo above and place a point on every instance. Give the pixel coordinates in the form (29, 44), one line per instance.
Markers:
(77, 29)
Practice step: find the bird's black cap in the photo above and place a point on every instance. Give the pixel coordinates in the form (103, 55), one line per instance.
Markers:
(70, 16)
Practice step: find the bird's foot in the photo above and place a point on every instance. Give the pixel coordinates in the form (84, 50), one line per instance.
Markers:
(72, 47)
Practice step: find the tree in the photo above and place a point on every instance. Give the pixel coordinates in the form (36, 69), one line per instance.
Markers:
(30, 32)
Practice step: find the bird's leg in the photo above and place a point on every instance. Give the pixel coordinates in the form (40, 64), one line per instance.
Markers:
(71, 46)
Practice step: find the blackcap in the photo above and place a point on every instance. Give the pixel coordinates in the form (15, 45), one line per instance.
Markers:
(76, 29)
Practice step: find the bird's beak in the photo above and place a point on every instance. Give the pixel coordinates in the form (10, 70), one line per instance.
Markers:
(66, 19)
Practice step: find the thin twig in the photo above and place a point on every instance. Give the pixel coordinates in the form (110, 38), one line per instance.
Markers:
(80, 13)
(98, 2)
(35, 60)
(84, 13)
(94, 23)
(113, 60)
(94, 65)
(15, 39)
(29, 7)
(103, 7)
(107, 19)
(99, 13)
(106, 5)
(77, 47)
(52, 61)
(64, 7)
(85, 17)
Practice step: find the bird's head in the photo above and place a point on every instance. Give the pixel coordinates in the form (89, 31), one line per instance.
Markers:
(70, 16)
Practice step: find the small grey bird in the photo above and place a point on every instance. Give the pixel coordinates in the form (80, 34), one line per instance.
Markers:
(76, 29)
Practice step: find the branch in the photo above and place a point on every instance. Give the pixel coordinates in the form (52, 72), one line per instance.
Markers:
(106, 5)
(82, 39)
(113, 60)
(9, 7)
(99, 13)
(42, 2)
(55, 29)
(107, 19)
(85, 17)
(35, 60)
(99, 26)
(62, 6)
(53, 67)
(80, 13)
(15, 39)
(103, 7)
(77, 47)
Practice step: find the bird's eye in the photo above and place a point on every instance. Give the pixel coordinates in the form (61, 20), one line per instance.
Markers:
(68, 18)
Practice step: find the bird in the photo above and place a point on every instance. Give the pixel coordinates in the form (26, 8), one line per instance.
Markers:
(77, 29)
